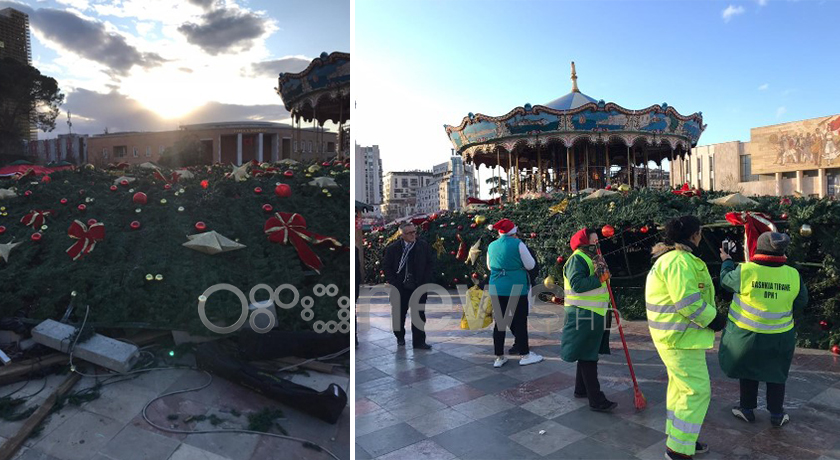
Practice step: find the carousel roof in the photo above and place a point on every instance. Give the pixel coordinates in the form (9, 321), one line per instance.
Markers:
(570, 118)
(321, 91)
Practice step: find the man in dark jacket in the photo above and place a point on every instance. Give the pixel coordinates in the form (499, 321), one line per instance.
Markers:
(408, 265)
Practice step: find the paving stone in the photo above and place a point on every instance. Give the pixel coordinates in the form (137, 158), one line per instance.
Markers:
(188, 452)
(121, 401)
(365, 406)
(414, 407)
(589, 448)
(79, 436)
(31, 454)
(457, 394)
(475, 441)
(512, 421)
(630, 437)
(437, 422)
(361, 453)
(483, 407)
(374, 421)
(475, 373)
(587, 421)
(829, 397)
(553, 405)
(389, 439)
(368, 375)
(443, 362)
(234, 446)
(435, 384)
(136, 444)
(423, 450)
(495, 383)
(547, 437)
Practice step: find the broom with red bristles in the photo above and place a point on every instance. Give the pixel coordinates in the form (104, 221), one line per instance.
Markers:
(639, 400)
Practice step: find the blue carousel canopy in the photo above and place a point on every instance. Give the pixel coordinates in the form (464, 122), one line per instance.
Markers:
(570, 118)
(321, 92)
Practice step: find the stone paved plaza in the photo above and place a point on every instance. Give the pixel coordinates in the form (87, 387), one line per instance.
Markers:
(450, 403)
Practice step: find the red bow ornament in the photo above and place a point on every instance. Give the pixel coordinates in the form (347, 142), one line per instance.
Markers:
(87, 238)
(171, 180)
(35, 219)
(755, 223)
(287, 228)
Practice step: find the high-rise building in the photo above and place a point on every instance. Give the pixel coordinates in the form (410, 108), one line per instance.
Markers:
(453, 182)
(400, 192)
(368, 171)
(14, 43)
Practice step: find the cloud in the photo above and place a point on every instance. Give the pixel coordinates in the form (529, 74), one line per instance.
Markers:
(274, 67)
(94, 111)
(762, 2)
(781, 111)
(143, 28)
(88, 39)
(731, 11)
(226, 31)
(764, 87)
(185, 69)
(206, 4)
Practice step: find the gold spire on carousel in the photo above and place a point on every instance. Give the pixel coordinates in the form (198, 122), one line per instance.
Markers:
(574, 79)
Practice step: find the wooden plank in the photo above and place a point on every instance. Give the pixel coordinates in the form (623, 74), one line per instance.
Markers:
(18, 371)
(11, 446)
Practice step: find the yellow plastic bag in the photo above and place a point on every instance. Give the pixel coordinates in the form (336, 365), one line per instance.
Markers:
(478, 311)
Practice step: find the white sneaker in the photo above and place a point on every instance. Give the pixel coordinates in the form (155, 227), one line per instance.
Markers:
(530, 358)
(500, 361)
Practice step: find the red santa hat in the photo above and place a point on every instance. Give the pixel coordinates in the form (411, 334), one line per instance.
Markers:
(581, 238)
(505, 227)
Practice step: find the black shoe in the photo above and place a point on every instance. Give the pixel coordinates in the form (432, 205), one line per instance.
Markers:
(700, 448)
(777, 420)
(670, 454)
(400, 342)
(580, 395)
(606, 406)
(746, 415)
(423, 346)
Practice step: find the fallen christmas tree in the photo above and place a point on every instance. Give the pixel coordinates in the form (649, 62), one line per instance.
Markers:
(114, 239)
(630, 224)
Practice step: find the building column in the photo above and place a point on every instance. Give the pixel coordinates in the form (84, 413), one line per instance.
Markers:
(799, 175)
(821, 183)
(260, 147)
(629, 168)
(219, 150)
(275, 147)
(239, 149)
(778, 184)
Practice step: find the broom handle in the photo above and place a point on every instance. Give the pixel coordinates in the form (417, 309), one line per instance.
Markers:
(620, 329)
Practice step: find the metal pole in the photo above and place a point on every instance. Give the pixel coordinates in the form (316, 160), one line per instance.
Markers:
(569, 168)
(629, 168)
(539, 169)
(509, 185)
(586, 162)
(607, 164)
(647, 171)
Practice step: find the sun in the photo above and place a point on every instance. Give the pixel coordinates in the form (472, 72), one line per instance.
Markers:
(170, 95)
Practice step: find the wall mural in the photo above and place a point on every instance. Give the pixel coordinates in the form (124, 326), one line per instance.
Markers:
(807, 144)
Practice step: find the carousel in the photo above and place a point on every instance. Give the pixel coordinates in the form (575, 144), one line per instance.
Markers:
(575, 143)
(319, 94)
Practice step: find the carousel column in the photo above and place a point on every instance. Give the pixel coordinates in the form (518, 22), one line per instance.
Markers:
(647, 171)
(509, 185)
(539, 169)
(607, 164)
(498, 174)
(239, 149)
(586, 162)
(629, 168)
(260, 147)
(518, 179)
(569, 168)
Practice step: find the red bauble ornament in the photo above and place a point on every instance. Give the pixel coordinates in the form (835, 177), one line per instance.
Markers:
(644, 229)
(326, 164)
(82, 207)
(455, 280)
(200, 226)
(91, 222)
(784, 201)
(82, 192)
(835, 349)
(452, 253)
(608, 231)
(608, 187)
(473, 225)
(27, 193)
(283, 191)
(257, 190)
(824, 325)
(46, 179)
(135, 225)
(140, 198)
(533, 235)
(560, 259)
(36, 236)
(289, 173)
(475, 275)
(267, 208)
(113, 188)
(205, 183)
(2, 229)
(167, 187)
(460, 227)
(124, 182)
(784, 216)
(63, 201)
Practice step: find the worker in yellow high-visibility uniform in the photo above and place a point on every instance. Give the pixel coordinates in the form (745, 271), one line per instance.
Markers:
(680, 303)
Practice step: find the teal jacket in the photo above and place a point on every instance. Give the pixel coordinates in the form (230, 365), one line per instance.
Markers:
(508, 276)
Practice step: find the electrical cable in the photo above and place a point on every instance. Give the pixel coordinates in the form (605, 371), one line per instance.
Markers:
(322, 358)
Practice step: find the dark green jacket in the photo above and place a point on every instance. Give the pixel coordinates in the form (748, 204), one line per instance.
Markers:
(750, 355)
(584, 334)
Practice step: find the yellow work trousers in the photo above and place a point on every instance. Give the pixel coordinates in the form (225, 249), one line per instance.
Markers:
(689, 393)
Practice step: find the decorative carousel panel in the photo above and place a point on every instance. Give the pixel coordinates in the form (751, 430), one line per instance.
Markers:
(323, 74)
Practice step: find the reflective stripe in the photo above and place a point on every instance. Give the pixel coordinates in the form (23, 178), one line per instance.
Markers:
(586, 303)
(660, 308)
(666, 326)
(596, 291)
(698, 312)
(756, 312)
(688, 301)
(680, 441)
(682, 425)
(764, 327)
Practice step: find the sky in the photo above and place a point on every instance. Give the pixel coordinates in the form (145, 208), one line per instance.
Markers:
(420, 65)
(146, 65)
